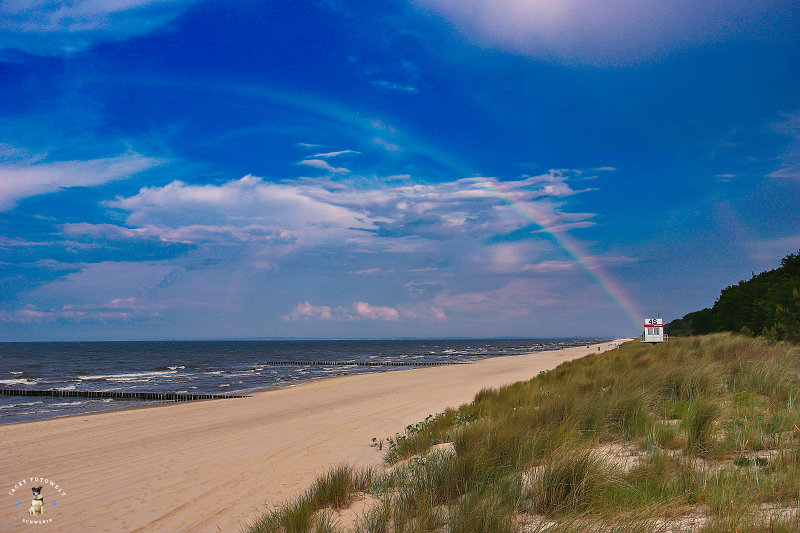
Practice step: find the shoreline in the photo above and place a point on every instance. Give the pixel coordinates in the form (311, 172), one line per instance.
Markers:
(210, 464)
(249, 391)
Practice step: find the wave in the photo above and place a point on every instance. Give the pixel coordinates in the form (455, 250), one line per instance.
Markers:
(19, 381)
(22, 404)
(132, 376)
(80, 402)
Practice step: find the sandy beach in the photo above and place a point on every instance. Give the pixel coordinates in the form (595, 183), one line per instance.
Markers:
(216, 465)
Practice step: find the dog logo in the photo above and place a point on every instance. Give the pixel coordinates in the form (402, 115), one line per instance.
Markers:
(37, 505)
(40, 512)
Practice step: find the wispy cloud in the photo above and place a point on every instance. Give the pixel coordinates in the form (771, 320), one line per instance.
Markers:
(116, 309)
(383, 143)
(192, 234)
(22, 180)
(326, 155)
(774, 249)
(381, 125)
(790, 159)
(323, 165)
(385, 84)
(611, 32)
(62, 27)
(516, 298)
(371, 271)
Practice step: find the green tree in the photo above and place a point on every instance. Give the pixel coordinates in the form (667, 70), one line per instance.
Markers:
(768, 303)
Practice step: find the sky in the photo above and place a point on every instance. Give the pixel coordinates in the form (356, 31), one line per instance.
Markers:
(407, 168)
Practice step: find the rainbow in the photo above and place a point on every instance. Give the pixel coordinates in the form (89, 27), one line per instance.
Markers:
(572, 249)
(569, 246)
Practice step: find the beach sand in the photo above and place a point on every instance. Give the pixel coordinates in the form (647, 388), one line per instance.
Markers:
(216, 465)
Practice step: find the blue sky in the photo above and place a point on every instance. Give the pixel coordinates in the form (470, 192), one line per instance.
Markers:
(426, 168)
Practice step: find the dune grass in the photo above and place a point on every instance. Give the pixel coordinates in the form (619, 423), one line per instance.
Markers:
(698, 434)
(310, 512)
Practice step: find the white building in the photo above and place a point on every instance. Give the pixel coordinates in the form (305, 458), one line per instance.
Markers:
(654, 330)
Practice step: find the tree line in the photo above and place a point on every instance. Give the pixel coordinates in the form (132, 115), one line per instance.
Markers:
(767, 304)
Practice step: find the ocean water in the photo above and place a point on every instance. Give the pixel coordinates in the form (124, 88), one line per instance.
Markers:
(212, 367)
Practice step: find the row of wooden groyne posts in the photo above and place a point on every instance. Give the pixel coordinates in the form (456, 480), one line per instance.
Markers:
(157, 396)
(187, 397)
(365, 363)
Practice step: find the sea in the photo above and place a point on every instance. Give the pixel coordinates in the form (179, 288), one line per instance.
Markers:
(215, 367)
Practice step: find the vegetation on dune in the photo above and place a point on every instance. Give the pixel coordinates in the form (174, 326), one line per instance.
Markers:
(697, 434)
(767, 304)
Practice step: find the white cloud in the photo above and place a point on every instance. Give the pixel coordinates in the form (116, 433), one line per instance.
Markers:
(390, 218)
(371, 271)
(376, 312)
(322, 312)
(192, 234)
(45, 27)
(335, 154)
(22, 180)
(323, 165)
(246, 231)
(392, 86)
(245, 202)
(266, 251)
(359, 310)
(612, 31)
(365, 311)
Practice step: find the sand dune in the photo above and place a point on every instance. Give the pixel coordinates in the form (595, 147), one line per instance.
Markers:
(214, 465)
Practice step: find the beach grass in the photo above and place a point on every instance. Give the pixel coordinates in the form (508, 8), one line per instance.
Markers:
(697, 434)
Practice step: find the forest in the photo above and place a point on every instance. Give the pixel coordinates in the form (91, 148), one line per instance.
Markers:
(767, 304)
